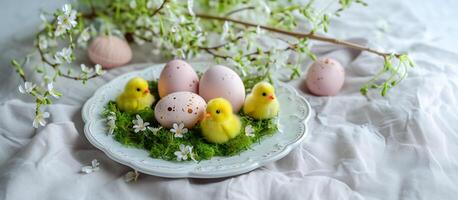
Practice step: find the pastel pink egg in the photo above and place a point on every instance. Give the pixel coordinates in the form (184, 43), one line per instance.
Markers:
(325, 77)
(109, 51)
(177, 76)
(180, 107)
(220, 81)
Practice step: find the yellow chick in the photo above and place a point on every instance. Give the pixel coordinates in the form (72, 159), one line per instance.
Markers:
(262, 102)
(220, 124)
(136, 96)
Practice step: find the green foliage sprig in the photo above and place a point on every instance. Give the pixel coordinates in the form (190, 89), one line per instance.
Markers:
(229, 31)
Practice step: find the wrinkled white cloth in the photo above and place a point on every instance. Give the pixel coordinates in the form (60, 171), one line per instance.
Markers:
(403, 146)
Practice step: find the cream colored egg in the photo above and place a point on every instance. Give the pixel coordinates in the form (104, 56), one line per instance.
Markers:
(177, 76)
(180, 107)
(220, 81)
(109, 51)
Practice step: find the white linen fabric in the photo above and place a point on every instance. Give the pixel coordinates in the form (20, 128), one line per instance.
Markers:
(403, 146)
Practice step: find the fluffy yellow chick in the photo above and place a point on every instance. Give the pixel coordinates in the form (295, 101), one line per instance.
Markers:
(262, 102)
(136, 96)
(220, 124)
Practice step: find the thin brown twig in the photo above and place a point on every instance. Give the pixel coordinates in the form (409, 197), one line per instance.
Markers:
(310, 35)
(239, 10)
(160, 7)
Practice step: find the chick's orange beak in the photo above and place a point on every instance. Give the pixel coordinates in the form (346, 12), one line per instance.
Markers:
(271, 97)
(146, 91)
(208, 115)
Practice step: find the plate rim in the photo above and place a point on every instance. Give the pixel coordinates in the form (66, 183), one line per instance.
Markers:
(288, 147)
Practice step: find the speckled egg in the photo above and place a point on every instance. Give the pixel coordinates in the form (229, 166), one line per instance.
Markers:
(180, 107)
(177, 76)
(220, 81)
(109, 51)
(325, 77)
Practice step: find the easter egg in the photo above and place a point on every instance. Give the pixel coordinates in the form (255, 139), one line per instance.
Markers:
(180, 107)
(220, 81)
(177, 76)
(109, 51)
(325, 77)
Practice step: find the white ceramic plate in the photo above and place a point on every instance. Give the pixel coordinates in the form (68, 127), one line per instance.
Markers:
(293, 116)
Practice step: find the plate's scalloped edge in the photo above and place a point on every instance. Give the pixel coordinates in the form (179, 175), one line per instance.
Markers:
(286, 149)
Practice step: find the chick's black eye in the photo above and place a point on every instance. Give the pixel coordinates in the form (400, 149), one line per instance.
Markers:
(138, 89)
(218, 111)
(264, 94)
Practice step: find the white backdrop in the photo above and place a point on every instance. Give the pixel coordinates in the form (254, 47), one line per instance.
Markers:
(403, 146)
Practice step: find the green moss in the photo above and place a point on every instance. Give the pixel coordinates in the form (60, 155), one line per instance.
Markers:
(163, 145)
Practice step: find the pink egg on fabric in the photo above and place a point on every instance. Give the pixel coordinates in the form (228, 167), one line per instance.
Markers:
(220, 81)
(109, 51)
(325, 77)
(177, 76)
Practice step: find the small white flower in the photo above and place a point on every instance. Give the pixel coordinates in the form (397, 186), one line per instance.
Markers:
(249, 131)
(64, 55)
(225, 30)
(179, 130)
(184, 153)
(173, 29)
(154, 129)
(131, 176)
(133, 4)
(259, 31)
(51, 90)
(86, 69)
(265, 6)
(190, 5)
(84, 37)
(42, 42)
(91, 168)
(59, 30)
(139, 125)
(40, 119)
(98, 70)
(66, 21)
(28, 87)
(111, 122)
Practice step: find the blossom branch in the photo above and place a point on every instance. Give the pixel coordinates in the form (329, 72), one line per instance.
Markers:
(299, 35)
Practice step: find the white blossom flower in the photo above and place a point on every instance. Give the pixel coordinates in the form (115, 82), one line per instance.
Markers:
(190, 5)
(28, 87)
(91, 168)
(66, 21)
(179, 130)
(249, 131)
(40, 119)
(86, 69)
(154, 129)
(59, 30)
(52, 91)
(84, 37)
(42, 42)
(139, 125)
(111, 122)
(133, 4)
(225, 30)
(131, 176)
(64, 55)
(174, 29)
(98, 70)
(265, 7)
(184, 153)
